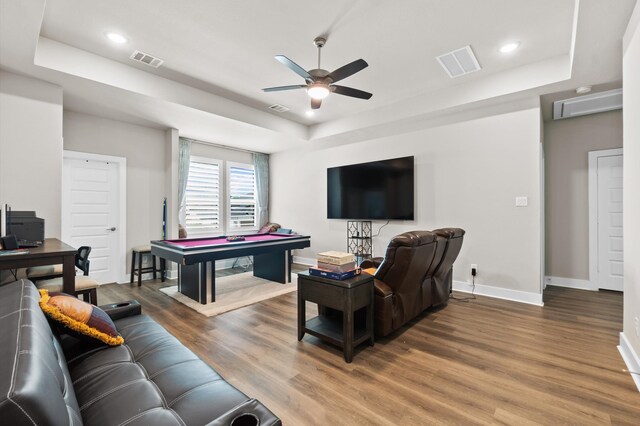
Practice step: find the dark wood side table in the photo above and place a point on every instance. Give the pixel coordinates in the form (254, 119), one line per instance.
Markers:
(346, 296)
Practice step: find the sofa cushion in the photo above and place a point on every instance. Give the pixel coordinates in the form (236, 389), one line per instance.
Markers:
(169, 383)
(80, 317)
(35, 387)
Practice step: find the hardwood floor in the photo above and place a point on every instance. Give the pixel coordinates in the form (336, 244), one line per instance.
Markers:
(486, 361)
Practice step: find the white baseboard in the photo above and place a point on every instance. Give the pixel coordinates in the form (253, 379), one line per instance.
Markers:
(569, 282)
(631, 358)
(500, 293)
(308, 261)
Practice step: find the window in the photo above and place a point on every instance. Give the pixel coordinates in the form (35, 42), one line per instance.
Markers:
(218, 203)
(202, 198)
(242, 197)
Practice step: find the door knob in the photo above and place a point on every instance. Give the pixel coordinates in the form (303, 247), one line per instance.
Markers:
(113, 228)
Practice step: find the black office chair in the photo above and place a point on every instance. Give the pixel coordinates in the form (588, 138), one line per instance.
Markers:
(82, 259)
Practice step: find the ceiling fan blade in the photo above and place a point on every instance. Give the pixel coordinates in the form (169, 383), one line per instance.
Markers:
(350, 91)
(315, 103)
(280, 88)
(294, 67)
(347, 70)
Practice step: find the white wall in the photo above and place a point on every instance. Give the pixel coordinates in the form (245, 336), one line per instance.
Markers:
(566, 145)
(630, 339)
(31, 147)
(144, 149)
(467, 175)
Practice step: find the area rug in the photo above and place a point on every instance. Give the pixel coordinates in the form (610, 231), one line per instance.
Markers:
(235, 291)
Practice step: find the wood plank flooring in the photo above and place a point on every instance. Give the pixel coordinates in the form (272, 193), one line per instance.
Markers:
(486, 361)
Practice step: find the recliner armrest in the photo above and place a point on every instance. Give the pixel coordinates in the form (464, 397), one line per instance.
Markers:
(122, 309)
(382, 289)
(374, 262)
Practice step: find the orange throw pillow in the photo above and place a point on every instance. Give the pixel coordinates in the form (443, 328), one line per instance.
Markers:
(80, 317)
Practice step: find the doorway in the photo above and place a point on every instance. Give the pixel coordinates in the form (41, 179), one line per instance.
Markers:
(606, 267)
(94, 210)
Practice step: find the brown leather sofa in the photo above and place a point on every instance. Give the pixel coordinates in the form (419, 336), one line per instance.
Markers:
(152, 379)
(415, 274)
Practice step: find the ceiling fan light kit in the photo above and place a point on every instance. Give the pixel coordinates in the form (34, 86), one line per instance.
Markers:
(319, 82)
(318, 91)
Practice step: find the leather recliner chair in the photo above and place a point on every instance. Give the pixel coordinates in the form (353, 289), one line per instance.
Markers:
(414, 275)
(398, 279)
(442, 277)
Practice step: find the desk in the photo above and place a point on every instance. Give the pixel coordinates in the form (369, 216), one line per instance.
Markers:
(346, 297)
(196, 259)
(51, 252)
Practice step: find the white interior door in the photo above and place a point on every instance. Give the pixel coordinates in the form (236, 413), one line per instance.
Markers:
(90, 213)
(610, 254)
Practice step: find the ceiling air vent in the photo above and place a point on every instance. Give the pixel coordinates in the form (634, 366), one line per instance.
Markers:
(588, 104)
(459, 62)
(279, 108)
(146, 59)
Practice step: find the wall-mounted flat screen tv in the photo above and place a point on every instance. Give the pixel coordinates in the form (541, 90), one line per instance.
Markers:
(379, 190)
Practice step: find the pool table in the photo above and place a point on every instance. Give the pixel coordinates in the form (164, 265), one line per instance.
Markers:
(196, 259)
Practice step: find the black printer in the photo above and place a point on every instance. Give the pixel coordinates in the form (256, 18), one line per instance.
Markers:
(27, 228)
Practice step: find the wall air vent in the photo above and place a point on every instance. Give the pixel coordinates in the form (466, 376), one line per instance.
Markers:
(279, 108)
(146, 59)
(588, 104)
(459, 62)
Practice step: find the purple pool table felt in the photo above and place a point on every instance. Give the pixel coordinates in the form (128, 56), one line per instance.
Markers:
(205, 242)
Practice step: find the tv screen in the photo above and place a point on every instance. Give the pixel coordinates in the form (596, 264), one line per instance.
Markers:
(379, 190)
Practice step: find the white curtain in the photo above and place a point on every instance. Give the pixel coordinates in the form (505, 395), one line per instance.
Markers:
(184, 159)
(261, 165)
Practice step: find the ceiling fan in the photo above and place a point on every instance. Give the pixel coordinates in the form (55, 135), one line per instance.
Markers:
(320, 82)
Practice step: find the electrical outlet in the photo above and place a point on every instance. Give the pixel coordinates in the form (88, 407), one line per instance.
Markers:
(474, 267)
(636, 321)
(522, 201)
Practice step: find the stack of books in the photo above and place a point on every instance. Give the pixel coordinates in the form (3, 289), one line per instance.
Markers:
(335, 265)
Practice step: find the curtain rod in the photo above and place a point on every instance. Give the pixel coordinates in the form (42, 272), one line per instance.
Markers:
(217, 145)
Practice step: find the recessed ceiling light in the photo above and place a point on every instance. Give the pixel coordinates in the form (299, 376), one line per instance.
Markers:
(509, 47)
(310, 113)
(116, 38)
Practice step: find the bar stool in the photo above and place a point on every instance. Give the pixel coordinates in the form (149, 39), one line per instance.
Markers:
(140, 251)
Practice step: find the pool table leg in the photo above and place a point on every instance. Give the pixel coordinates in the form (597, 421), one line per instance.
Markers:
(198, 281)
(272, 266)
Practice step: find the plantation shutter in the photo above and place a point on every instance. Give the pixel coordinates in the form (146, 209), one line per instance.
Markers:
(242, 197)
(203, 198)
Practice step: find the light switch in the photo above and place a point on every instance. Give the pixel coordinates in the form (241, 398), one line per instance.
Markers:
(522, 201)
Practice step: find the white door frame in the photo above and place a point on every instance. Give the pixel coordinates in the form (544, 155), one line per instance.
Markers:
(122, 194)
(593, 211)
(543, 224)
